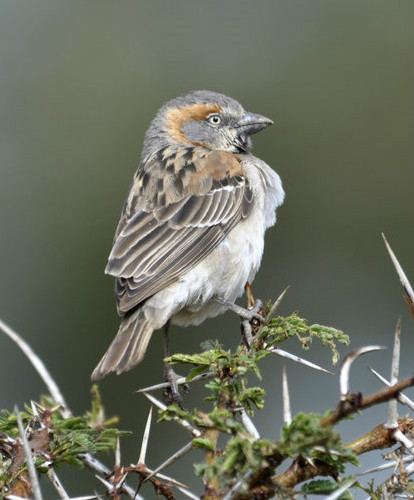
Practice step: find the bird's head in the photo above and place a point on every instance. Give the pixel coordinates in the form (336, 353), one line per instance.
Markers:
(204, 118)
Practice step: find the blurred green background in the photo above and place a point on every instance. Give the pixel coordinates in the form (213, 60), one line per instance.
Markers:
(79, 84)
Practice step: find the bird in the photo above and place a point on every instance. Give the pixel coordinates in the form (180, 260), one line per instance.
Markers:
(191, 232)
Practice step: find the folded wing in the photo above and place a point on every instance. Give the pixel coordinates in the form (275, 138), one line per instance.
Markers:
(182, 204)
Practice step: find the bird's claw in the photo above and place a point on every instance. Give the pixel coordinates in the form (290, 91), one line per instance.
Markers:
(254, 314)
(252, 318)
(172, 394)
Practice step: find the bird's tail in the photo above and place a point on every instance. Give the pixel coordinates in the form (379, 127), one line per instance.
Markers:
(128, 347)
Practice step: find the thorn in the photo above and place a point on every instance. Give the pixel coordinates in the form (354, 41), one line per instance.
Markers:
(380, 468)
(155, 401)
(39, 366)
(178, 454)
(233, 491)
(34, 408)
(275, 305)
(402, 398)
(395, 367)
(341, 490)
(236, 487)
(403, 278)
(118, 453)
(346, 366)
(410, 467)
(170, 480)
(297, 359)
(184, 423)
(404, 440)
(114, 487)
(392, 420)
(109, 486)
(34, 480)
(101, 470)
(53, 478)
(189, 494)
(287, 414)
(248, 424)
(87, 497)
(121, 481)
(310, 460)
(180, 381)
(145, 438)
(324, 449)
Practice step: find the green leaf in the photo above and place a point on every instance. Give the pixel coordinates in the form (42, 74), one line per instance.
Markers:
(198, 370)
(203, 443)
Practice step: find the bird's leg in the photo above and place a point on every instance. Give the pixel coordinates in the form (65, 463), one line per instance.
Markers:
(171, 394)
(253, 313)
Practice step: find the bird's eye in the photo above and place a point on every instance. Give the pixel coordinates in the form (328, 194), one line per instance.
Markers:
(214, 119)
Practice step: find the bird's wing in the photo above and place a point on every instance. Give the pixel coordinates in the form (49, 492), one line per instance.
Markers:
(181, 205)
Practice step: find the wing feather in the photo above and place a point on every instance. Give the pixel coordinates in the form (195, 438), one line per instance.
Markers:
(171, 222)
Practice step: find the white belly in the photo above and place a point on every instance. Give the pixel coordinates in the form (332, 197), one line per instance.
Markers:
(221, 277)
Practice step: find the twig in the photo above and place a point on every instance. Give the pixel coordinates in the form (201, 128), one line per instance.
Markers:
(34, 480)
(346, 408)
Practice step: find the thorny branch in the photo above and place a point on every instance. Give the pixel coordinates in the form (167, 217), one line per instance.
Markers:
(246, 466)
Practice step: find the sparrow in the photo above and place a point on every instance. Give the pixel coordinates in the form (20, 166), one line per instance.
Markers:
(191, 232)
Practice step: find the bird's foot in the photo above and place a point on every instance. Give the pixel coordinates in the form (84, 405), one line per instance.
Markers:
(255, 314)
(172, 394)
(252, 318)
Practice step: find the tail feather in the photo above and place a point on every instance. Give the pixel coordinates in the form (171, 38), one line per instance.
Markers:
(127, 348)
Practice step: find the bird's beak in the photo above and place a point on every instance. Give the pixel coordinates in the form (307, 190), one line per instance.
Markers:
(252, 123)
